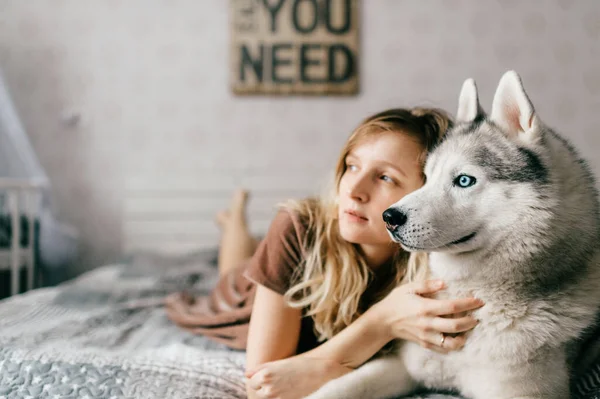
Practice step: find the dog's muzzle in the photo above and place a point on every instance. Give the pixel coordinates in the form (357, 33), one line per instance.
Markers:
(394, 218)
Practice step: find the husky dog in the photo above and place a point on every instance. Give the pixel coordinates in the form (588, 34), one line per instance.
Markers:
(509, 214)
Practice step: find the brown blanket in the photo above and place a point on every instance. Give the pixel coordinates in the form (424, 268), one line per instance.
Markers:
(223, 316)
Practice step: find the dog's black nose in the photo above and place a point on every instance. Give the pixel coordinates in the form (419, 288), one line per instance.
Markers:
(394, 217)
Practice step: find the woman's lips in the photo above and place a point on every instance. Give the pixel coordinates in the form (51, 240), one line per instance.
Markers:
(355, 216)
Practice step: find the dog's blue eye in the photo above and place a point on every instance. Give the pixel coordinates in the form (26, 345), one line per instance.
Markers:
(464, 181)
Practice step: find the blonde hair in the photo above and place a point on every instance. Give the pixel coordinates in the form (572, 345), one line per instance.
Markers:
(334, 275)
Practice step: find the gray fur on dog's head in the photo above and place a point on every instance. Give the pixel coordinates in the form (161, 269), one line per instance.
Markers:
(495, 180)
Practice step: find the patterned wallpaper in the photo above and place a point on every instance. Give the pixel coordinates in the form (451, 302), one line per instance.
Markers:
(161, 141)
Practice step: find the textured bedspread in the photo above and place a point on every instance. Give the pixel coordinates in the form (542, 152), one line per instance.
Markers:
(100, 336)
(105, 335)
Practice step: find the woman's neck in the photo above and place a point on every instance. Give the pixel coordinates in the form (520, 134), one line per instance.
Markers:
(377, 255)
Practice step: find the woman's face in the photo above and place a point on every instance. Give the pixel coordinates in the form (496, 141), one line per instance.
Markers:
(379, 171)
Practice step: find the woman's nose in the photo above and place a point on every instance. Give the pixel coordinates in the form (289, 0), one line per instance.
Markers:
(358, 191)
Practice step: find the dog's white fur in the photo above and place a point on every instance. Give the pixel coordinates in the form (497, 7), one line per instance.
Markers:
(526, 338)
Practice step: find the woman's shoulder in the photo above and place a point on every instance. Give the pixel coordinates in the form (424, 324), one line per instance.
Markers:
(293, 221)
(282, 250)
(288, 222)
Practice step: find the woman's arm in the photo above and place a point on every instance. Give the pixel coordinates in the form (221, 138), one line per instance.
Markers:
(274, 330)
(356, 343)
(406, 313)
(273, 335)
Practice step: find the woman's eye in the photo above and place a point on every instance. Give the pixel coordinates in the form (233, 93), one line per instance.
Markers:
(464, 181)
(351, 167)
(387, 179)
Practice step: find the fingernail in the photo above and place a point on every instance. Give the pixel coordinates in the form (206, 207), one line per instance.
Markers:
(439, 284)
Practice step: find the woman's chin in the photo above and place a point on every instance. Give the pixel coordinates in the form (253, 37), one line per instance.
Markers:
(356, 235)
(351, 238)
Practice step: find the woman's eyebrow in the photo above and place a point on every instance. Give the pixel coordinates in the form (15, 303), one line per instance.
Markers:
(392, 166)
(385, 163)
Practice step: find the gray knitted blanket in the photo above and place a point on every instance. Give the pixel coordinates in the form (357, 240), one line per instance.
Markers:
(105, 335)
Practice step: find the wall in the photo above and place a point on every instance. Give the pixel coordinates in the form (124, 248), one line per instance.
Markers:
(162, 141)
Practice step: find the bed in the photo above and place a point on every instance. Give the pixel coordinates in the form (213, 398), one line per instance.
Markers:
(105, 335)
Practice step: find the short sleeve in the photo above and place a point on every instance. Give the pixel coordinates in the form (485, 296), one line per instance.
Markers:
(279, 254)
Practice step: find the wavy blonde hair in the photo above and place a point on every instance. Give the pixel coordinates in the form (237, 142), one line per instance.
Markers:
(334, 275)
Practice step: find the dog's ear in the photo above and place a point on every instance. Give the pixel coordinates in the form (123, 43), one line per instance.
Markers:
(468, 103)
(512, 110)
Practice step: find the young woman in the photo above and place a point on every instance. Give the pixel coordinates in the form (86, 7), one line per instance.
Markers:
(330, 288)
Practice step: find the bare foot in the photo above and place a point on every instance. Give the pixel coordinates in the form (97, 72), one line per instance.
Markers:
(236, 214)
(237, 243)
(222, 219)
(238, 203)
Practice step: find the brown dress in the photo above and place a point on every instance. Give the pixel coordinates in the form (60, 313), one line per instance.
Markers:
(224, 315)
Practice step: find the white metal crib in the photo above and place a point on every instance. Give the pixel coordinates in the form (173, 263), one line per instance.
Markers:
(20, 197)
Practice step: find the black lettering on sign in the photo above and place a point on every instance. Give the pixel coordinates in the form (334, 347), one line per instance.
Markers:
(349, 69)
(295, 46)
(305, 62)
(296, 17)
(273, 10)
(327, 15)
(277, 60)
(255, 64)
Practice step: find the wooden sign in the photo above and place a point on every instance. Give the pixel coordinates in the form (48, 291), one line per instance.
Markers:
(294, 46)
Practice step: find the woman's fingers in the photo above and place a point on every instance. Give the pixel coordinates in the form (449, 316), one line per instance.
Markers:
(448, 343)
(433, 347)
(427, 342)
(437, 307)
(433, 341)
(425, 287)
(266, 393)
(453, 343)
(249, 373)
(257, 380)
(449, 325)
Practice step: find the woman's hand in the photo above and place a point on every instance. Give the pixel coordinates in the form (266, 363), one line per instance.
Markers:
(408, 314)
(293, 378)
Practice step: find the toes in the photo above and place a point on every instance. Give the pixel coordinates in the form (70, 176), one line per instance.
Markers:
(222, 218)
(236, 212)
(239, 199)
